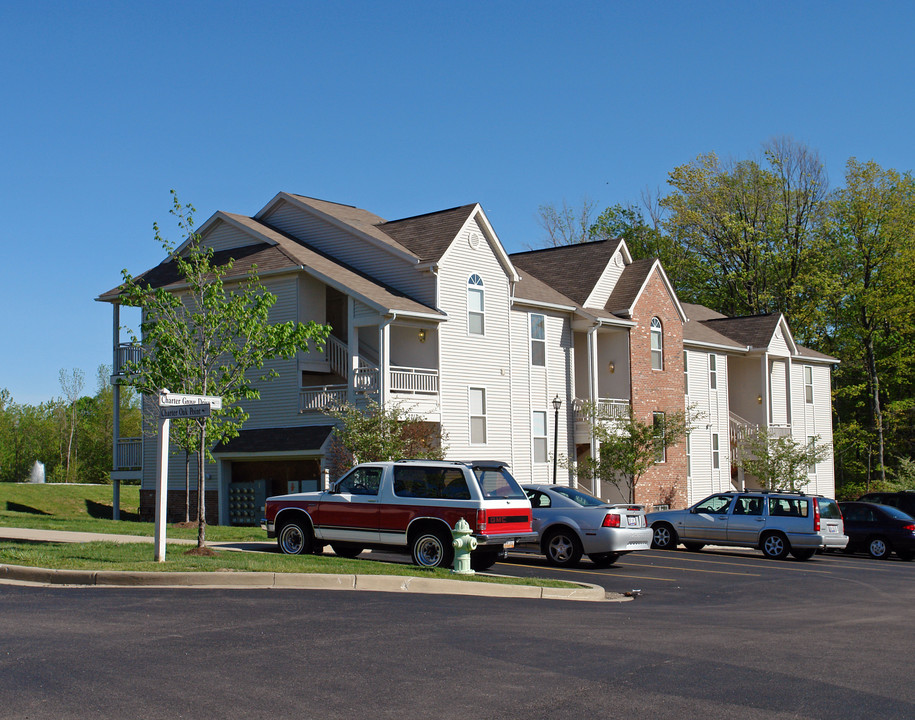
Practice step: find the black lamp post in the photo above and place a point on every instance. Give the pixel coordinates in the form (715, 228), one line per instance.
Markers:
(557, 403)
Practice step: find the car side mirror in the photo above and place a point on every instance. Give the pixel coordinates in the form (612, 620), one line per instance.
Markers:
(693, 511)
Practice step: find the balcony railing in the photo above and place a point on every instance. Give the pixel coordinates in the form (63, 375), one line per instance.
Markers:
(416, 381)
(129, 454)
(124, 353)
(607, 408)
(317, 399)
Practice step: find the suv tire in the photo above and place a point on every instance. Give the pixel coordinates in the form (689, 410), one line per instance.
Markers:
(295, 538)
(774, 546)
(432, 548)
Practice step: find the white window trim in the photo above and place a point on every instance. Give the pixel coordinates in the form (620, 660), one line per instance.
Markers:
(712, 371)
(716, 452)
(656, 329)
(471, 416)
(808, 386)
(476, 287)
(545, 438)
(542, 341)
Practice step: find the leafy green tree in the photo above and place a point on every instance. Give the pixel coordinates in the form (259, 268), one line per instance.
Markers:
(779, 462)
(629, 447)
(213, 336)
(376, 433)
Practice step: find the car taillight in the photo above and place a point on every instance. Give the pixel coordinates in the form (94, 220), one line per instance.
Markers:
(909, 528)
(611, 520)
(481, 521)
(816, 516)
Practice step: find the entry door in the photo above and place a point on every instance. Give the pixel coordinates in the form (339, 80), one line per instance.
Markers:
(350, 513)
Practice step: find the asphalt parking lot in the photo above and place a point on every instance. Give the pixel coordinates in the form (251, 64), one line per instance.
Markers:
(720, 570)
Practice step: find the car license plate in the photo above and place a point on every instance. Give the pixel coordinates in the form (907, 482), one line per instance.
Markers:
(509, 544)
(633, 520)
(833, 528)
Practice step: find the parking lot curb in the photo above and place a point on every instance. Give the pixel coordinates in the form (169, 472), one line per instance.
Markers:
(302, 581)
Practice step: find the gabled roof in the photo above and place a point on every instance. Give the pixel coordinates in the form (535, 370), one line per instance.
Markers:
(276, 251)
(572, 270)
(428, 236)
(754, 331)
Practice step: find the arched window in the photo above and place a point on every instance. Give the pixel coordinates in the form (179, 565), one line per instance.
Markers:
(475, 317)
(657, 345)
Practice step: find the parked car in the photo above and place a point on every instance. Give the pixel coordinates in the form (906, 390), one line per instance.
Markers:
(776, 523)
(570, 523)
(879, 530)
(904, 500)
(407, 505)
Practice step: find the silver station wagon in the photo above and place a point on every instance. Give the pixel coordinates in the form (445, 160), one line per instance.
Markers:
(776, 523)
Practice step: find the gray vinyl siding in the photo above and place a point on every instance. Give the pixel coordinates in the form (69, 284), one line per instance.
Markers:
(471, 360)
(354, 251)
(710, 408)
(814, 419)
(778, 388)
(602, 289)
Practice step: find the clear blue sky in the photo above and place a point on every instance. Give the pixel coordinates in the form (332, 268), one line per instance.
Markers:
(400, 108)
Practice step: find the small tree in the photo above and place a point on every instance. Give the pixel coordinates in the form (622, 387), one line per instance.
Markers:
(779, 462)
(628, 446)
(381, 433)
(204, 338)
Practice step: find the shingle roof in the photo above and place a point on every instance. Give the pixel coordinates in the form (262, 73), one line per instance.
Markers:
(753, 330)
(295, 439)
(288, 252)
(572, 270)
(428, 236)
(627, 288)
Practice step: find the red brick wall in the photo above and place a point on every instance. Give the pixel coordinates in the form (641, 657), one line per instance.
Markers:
(659, 390)
(175, 506)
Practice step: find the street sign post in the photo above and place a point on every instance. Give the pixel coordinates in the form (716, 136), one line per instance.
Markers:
(173, 406)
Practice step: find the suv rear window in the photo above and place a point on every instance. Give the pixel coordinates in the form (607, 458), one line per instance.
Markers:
(498, 483)
(430, 482)
(829, 509)
(789, 507)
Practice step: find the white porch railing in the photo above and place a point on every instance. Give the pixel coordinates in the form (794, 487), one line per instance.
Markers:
(610, 408)
(365, 379)
(740, 429)
(417, 381)
(129, 453)
(126, 352)
(316, 399)
(337, 355)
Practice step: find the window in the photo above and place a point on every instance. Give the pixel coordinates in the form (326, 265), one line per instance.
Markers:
(660, 441)
(716, 453)
(361, 481)
(788, 507)
(430, 482)
(685, 374)
(477, 416)
(539, 435)
(657, 345)
(715, 505)
(808, 384)
(713, 371)
(538, 340)
(538, 499)
(475, 324)
(748, 505)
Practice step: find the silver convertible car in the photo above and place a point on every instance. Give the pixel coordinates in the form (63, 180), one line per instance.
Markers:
(570, 523)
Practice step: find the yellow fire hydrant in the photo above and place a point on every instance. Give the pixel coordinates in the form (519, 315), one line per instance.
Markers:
(463, 544)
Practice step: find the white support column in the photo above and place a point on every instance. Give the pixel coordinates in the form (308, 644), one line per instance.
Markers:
(592, 398)
(116, 415)
(161, 488)
(352, 349)
(767, 421)
(384, 363)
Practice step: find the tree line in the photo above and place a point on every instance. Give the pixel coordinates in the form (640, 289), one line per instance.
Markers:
(71, 435)
(768, 235)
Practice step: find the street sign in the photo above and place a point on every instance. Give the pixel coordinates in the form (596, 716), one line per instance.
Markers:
(201, 410)
(174, 399)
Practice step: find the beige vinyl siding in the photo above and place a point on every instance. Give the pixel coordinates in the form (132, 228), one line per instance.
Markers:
(814, 419)
(602, 289)
(353, 250)
(778, 388)
(223, 236)
(710, 408)
(467, 360)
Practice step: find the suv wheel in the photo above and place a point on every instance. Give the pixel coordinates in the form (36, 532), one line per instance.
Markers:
(878, 548)
(562, 548)
(295, 538)
(665, 537)
(775, 546)
(432, 549)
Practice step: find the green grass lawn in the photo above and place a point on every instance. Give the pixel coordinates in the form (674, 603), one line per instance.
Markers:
(88, 508)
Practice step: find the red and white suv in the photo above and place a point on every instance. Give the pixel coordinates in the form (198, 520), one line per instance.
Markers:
(408, 505)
